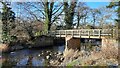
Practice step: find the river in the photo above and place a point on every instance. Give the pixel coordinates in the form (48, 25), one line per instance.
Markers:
(33, 57)
(40, 56)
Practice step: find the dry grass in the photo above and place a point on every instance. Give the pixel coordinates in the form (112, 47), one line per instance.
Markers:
(107, 56)
(3, 47)
(110, 52)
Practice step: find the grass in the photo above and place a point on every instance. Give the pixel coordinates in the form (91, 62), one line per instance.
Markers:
(107, 56)
(74, 62)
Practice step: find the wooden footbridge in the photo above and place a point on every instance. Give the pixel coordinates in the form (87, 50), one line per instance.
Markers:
(84, 33)
(72, 37)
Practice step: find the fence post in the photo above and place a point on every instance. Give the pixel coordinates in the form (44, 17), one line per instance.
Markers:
(99, 33)
(89, 33)
(60, 33)
(54, 33)
(65, 33)
(93, 32)
(79, 33)
(72, 33)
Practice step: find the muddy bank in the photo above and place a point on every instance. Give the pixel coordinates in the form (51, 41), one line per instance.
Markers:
(40, 41)
(3, 47)
(59, 40)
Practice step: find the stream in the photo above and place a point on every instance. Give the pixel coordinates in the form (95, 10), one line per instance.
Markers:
(40, 56)
(32, 57)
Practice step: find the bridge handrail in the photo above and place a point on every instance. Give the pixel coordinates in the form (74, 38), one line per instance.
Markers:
(87, 32)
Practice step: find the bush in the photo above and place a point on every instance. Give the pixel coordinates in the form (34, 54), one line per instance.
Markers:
(107, 56)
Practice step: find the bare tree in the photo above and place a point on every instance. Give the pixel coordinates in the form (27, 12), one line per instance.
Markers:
(95, 13)
(105, 17)
(43, 11)
(79, 14)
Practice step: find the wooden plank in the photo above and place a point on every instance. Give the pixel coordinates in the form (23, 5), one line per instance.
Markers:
(85, 32)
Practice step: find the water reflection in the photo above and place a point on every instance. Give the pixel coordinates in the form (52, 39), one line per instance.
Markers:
(31, 57)
(39, 56)
(91, 44)
(37, 62)
(23, 62)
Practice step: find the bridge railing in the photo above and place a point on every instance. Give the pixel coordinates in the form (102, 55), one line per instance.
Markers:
(84, 32)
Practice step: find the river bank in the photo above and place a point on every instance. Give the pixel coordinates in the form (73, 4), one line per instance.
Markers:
(57, 56)
(106, 57)
(37, 42)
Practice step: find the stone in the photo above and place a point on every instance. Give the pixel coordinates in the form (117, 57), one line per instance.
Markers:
(42, 53)
(47, 57)
(55, 53)
(12, 53)
(47, 51)
(61, 59)
(59, 53)
(38, 54)
(50, 54)
(51, 61)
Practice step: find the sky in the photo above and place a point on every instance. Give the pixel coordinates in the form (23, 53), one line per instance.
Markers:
(90, 4)
(97, 4)
(93, 4)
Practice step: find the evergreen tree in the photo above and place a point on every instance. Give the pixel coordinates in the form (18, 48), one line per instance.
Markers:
(8, 17)
(69, 11)
(116, 4)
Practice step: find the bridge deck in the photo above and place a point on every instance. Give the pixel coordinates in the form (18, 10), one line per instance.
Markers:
(84, 33)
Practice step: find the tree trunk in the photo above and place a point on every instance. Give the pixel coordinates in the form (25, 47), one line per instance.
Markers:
(69, 14)
(78, 19)
(48, 13)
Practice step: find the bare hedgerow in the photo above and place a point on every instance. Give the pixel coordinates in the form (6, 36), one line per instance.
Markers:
(107, 56)
(111, 51)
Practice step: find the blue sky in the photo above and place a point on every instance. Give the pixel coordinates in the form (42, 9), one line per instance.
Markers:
(97, 4)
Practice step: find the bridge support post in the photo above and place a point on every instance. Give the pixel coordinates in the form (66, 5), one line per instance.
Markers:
(108, 42)
(72, 43)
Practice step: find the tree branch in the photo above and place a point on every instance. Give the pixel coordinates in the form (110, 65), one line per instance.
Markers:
(57, 10)
(56, 17)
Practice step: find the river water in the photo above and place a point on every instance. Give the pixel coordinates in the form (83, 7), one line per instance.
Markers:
(33, 57)
(40, 56)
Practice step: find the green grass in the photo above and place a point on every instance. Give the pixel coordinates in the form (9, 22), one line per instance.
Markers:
(73, 63)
